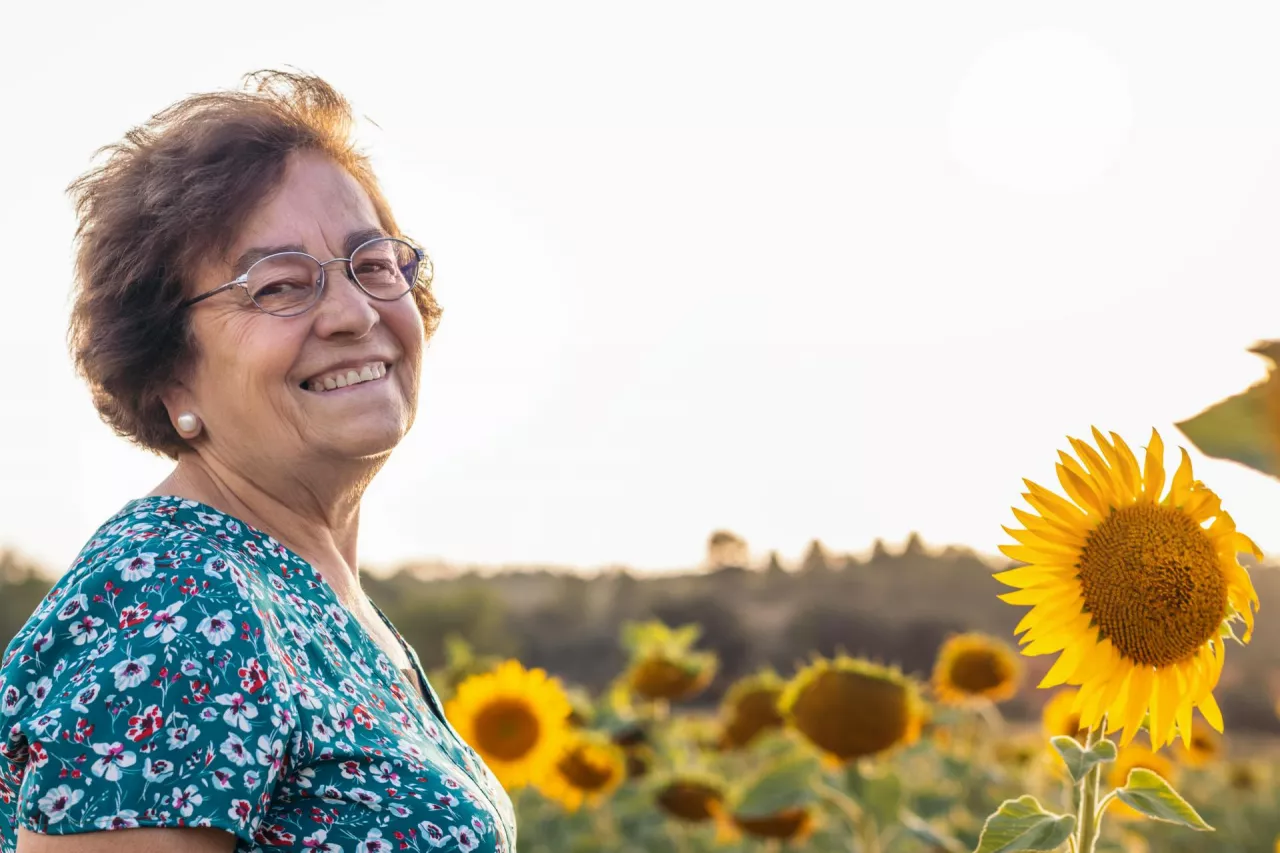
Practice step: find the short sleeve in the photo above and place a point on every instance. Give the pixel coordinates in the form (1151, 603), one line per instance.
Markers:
(145, 693)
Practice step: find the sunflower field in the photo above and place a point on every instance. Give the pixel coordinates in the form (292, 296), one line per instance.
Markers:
(1127, 577)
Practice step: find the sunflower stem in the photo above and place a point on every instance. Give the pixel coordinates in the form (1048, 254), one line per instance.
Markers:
(1087, 820)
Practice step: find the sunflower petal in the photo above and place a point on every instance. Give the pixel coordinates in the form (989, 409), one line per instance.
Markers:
(1180, 488)
(1212, 713)
(1153, 469)
(1081, 492)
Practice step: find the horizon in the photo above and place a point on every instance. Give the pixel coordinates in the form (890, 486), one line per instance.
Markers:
(840, 274)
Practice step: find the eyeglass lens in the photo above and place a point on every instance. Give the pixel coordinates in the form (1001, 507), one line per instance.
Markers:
(289, 282)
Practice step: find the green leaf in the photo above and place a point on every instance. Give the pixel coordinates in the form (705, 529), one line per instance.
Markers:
(1079, 760)
(1023, 824)
(928, 833)
(881, 795)
(787, 784)
(1239, 428)
(1148, 793)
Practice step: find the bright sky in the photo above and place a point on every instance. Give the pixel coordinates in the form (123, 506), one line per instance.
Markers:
(797, 270)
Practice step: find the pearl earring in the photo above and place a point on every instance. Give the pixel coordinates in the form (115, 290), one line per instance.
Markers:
(188, 423)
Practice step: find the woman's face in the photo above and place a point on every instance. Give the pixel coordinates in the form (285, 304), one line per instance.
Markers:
(252, 383)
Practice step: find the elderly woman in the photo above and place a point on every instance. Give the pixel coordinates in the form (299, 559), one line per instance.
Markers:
(208, 674)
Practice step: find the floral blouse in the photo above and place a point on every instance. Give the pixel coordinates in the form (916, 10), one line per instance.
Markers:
(189, 670)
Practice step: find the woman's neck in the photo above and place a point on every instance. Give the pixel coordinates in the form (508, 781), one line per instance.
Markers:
(319, 524)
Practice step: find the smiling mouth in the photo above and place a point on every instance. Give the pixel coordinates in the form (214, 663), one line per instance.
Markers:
(374, 371)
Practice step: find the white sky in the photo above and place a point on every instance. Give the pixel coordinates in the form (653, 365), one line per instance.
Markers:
(798, 270)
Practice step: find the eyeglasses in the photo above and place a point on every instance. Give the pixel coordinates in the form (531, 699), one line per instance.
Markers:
(287, 284)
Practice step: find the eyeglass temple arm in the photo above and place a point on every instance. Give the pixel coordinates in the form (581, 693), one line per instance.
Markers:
(193, 300)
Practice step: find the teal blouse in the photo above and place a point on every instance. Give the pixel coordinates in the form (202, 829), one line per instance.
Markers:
(189, 670)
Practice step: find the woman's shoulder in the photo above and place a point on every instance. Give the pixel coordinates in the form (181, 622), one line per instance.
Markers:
(161, 566)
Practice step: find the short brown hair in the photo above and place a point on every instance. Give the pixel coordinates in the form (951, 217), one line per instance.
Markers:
(172, 194)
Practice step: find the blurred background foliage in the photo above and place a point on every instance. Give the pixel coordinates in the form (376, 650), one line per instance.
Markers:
(896, 605)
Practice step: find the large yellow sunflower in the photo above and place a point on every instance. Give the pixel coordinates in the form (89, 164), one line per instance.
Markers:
(588, 771)
(517, 720)
(975, 667)
(1135, 586)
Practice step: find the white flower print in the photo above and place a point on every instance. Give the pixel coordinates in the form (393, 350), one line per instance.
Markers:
(85, 697)
(186, 800)
(191, 668)
(209, 519)
(233, 749)
(321, 731)
(131, 672)
(50, 721)
(399, 809)
(103, 648)
(84, 630)
(446, 799)
(368, 798)
(218, 628)
(316, 842)
(434, 835)
(300, 635)
(385, 774)
(270, 752)
(337, 614)
(374, 843)
(39, 690)
(278, 583)
(157, 770)
(465, 837)
(123, 819)
(137, 567)
(167, 623)
(209, 714)
(240, 811)
(282, 718)
(239, 712)
(57, 801)
(41, 641)
(75, 605)
(114, 756)
(251, 779)
(12, 700)
(223, 779)
(181, 736)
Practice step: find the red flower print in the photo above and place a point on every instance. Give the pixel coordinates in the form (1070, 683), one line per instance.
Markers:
(253, 677)
(145, 725)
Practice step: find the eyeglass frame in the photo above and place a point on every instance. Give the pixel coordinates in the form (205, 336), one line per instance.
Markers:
(242, 280)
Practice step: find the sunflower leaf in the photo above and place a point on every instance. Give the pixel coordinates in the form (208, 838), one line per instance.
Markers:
(928, 833)
(1023, 824)
(787, 784)
(1238, 428)
(1079, 760)
(1150, 794)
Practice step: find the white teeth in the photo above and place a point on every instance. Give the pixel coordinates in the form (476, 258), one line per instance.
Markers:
(369, 372)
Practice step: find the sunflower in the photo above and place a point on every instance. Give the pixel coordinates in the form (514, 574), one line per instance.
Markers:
(853, 708)
(691, 799)
(588, 771)
(749, 708)
(976, 667)
(1133, 588)
(517, 720)
(1205, 747)
(1131, 757)
(1059, 717)
(792, 824)
(659, 677)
